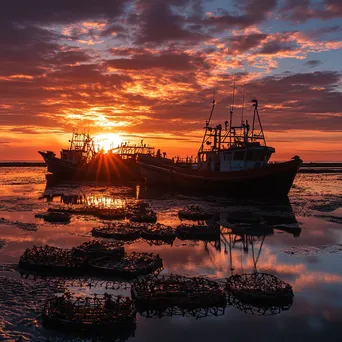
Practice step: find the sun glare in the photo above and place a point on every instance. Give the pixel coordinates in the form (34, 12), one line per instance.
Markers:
(108, 141)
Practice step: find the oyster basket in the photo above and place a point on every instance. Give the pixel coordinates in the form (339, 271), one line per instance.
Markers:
(132, 265)
(148, 216)
(123, 232)
(260, 289)
(49, 259)
(158, 232)
(194, 213)
(177, 291)
(91, 314)
(198, 232)
(98, 248)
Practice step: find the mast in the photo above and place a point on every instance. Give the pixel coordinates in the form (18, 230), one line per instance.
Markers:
(256, 115)
(231, 114)
(207, 126)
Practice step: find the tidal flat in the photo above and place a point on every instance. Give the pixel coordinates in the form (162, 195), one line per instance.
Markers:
(301, 245)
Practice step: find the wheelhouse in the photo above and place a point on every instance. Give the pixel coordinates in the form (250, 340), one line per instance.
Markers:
(234, 148)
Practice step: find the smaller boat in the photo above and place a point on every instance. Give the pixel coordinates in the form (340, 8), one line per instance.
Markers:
(233, 160)
(83, 160)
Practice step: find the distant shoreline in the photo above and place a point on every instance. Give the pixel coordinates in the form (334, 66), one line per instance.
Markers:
(305, 168)
(21, 164)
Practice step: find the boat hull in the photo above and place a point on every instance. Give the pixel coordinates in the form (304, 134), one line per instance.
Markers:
(103, 168)
(272, 180)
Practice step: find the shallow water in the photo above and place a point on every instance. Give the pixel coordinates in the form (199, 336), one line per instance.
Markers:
(303, 248)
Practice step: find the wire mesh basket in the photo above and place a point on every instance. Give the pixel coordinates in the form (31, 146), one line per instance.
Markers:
(132, 265)
(92, 314)
(198, 232)
(157, 232)
(195, 213)
(51, 259)
(260, 289)
(179, 291)
(97, 248)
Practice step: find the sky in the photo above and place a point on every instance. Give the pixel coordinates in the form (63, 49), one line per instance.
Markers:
(150, 69)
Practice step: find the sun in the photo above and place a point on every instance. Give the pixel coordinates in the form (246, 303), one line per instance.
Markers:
(107, 141)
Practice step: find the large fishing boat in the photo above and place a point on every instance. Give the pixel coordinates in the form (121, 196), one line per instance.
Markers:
(84, 161)
(233, 160)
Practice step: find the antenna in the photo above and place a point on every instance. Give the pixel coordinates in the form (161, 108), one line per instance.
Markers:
(208, 122)
(243, 106)
(231, 111)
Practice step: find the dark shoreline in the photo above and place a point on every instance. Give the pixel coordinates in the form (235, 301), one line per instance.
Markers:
(21, 164)
(305, 168)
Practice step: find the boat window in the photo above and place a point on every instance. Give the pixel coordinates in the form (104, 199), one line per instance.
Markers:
(249, 155)
(227, 156)
(257, 155)
(239, 155)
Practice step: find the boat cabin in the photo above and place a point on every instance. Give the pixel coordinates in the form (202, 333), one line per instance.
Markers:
(236, 148)
(81, 150)
(74, 156)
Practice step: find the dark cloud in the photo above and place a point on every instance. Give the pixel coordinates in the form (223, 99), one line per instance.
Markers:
(313, 63)
(308, 9)
(159, 24)
(244, 43)
(273, 47)
(24, 48)
(250, 12)
(112, 29)
(59, 11)
(166, 60)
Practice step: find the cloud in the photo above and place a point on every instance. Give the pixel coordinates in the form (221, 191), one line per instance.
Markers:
(159, 24)
(274, 47)
(313, 63)
(59, 11)
(165, 60)
(303, 10)
(249, 12)
(151, 66)
(242, 43)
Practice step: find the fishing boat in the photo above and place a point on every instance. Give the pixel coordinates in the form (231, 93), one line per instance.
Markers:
(232, 160)
(84, 161)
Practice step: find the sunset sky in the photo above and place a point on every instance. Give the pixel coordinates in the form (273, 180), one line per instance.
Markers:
(148, 69)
